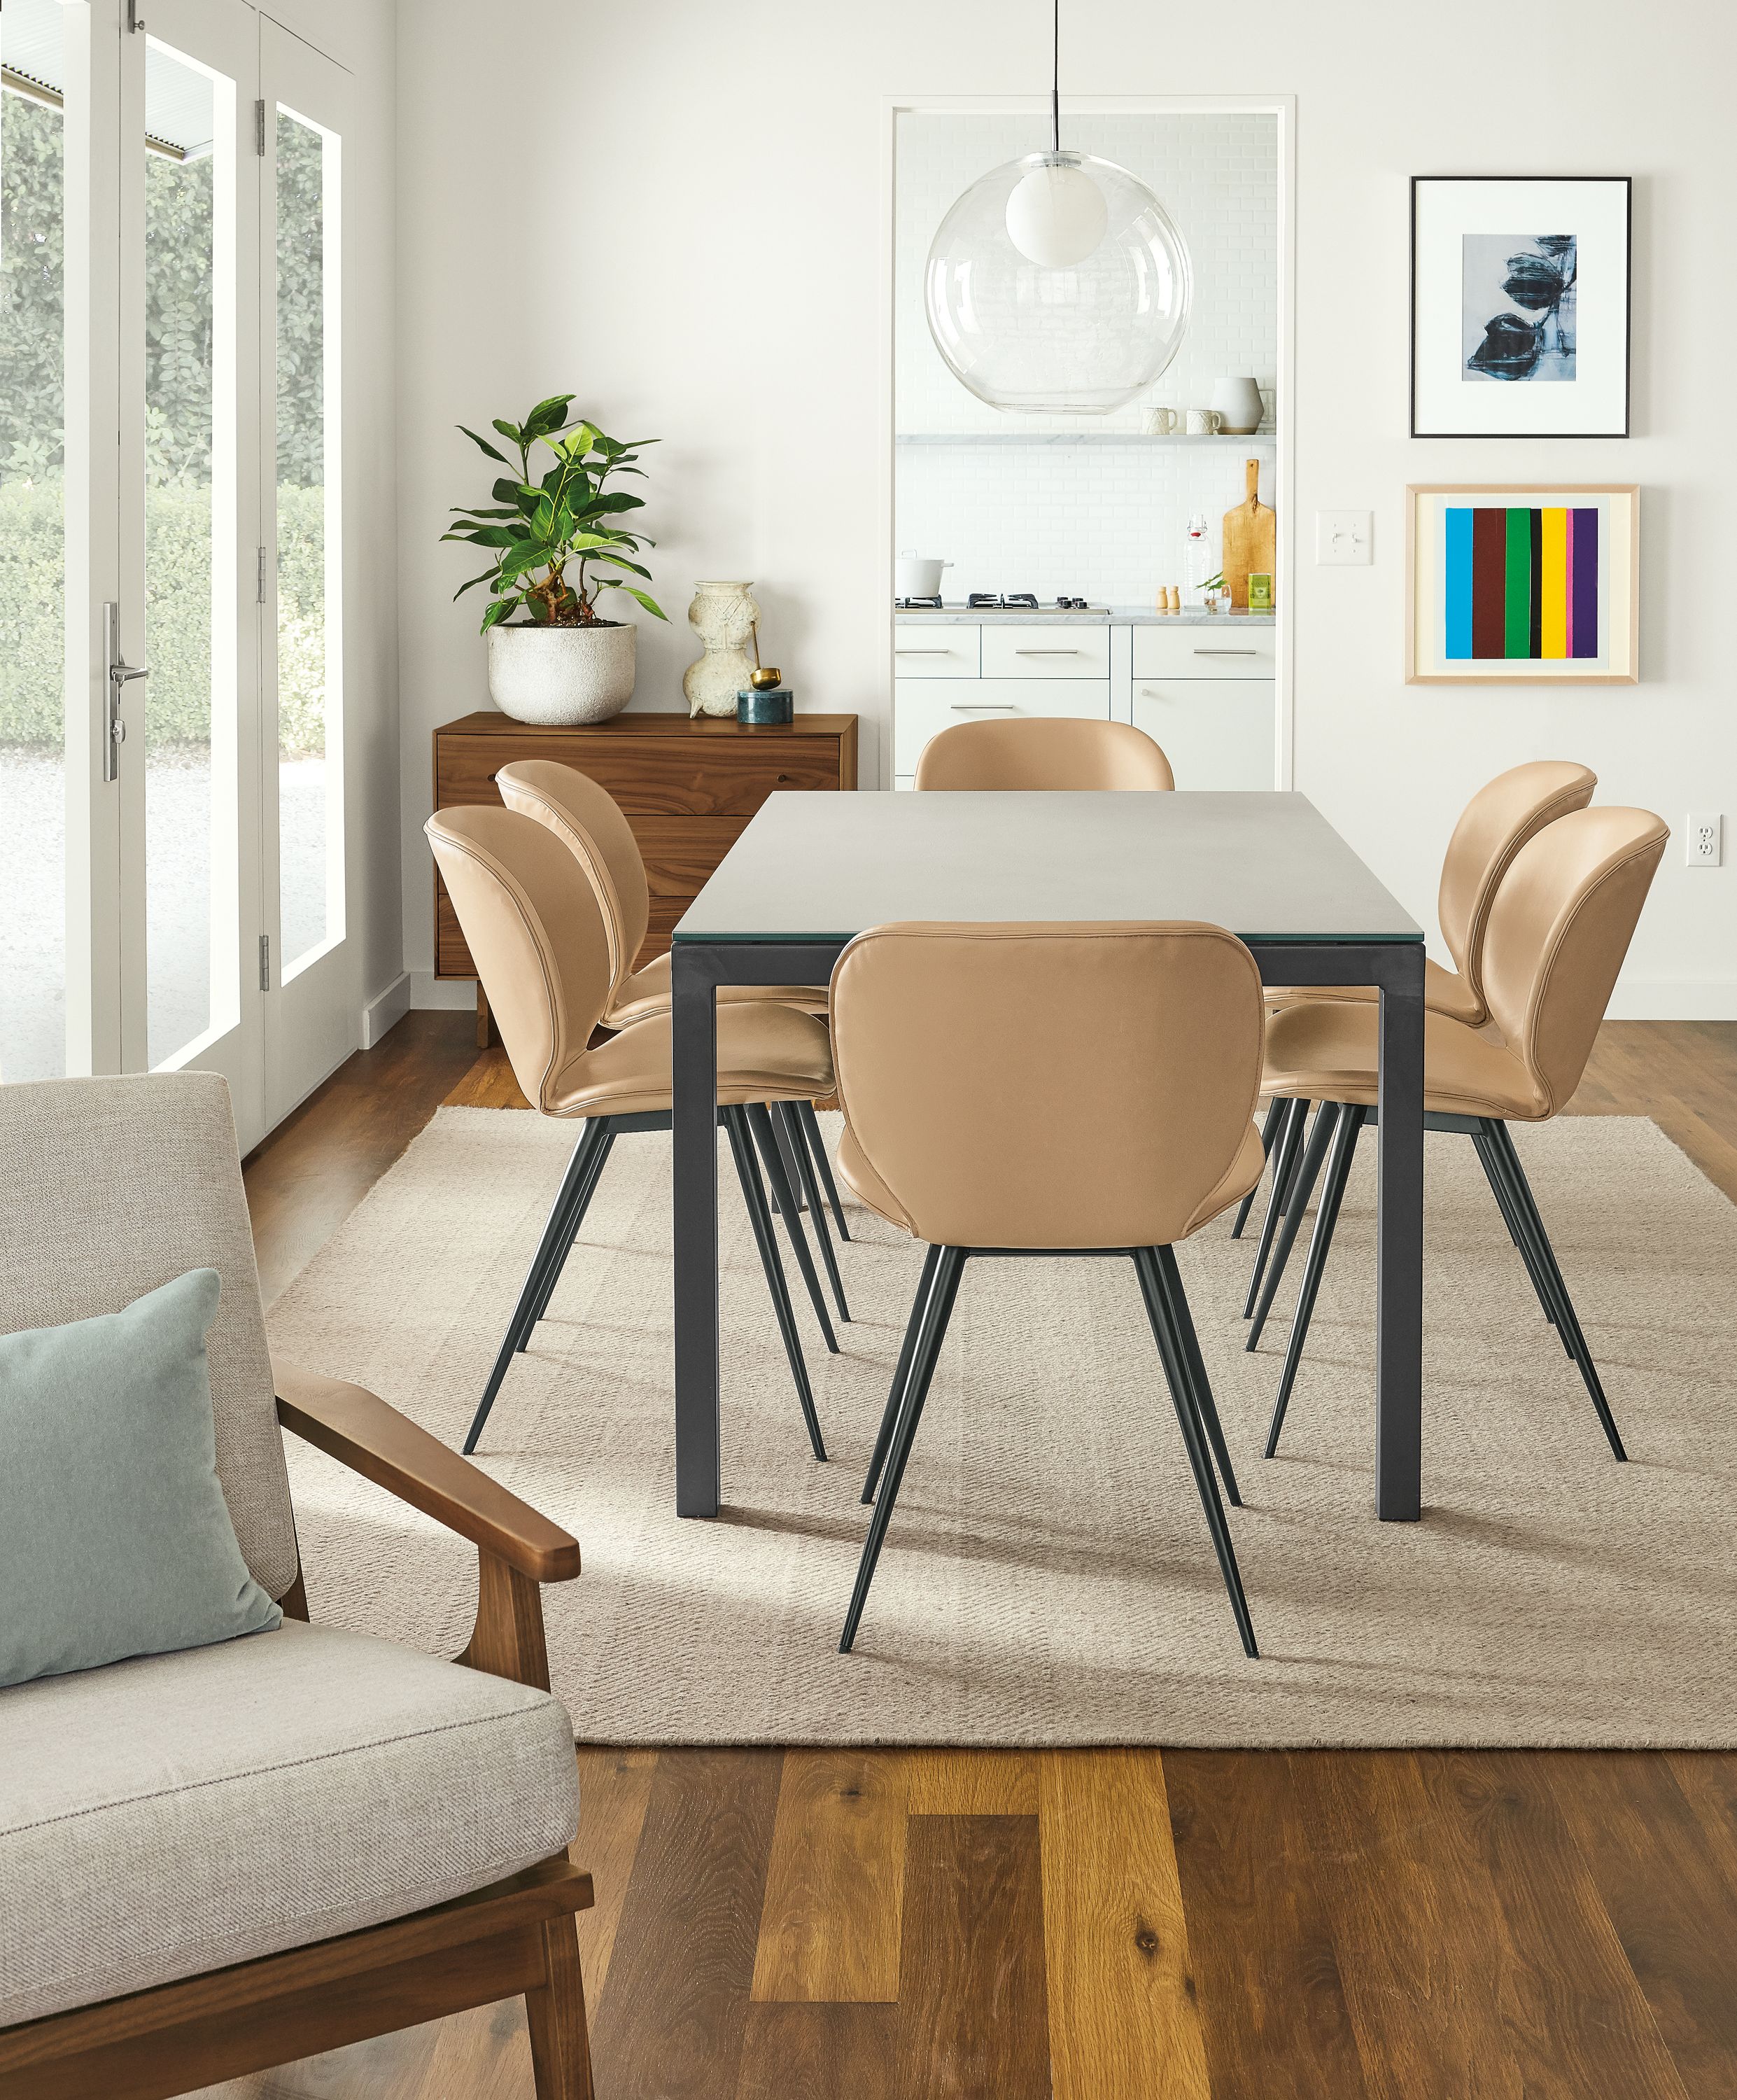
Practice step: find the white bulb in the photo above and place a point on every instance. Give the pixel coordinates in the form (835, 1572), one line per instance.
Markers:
(1056, 215)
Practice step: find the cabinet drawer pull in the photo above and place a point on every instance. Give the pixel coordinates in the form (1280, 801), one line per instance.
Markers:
(1226, 652)
(925, 652)
(984, 707)
(1056, 652)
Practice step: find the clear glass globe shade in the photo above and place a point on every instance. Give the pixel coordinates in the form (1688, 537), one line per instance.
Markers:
(1056, 214)
(1078, 338)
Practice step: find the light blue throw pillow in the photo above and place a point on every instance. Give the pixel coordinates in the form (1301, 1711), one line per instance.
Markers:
(115, 1539)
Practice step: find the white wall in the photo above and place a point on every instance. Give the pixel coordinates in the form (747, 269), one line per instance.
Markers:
(678, 211)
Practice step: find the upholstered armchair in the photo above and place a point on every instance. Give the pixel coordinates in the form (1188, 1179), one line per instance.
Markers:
(220, 1859)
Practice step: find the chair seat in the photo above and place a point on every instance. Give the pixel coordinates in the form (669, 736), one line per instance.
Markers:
(1444, 992)
(1326, 1050)
(647, 993)
(1244, 1174)
(766, 1052)
(183, 1812)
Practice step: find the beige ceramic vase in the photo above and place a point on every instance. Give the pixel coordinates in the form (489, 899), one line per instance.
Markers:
(723, 615)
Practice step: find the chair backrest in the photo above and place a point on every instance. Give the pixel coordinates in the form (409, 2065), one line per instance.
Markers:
(1048, 1085)
(1559, 930)
(535, 933)
(588, 821)
(115, 1187)
(1043, 751)
(1493, 826)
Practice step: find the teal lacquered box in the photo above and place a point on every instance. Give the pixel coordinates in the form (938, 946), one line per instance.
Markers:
(774, 709)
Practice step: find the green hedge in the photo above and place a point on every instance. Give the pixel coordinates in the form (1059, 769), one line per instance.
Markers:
(178, 534)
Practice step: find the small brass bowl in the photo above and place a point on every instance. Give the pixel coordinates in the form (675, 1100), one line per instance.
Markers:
(766, 678)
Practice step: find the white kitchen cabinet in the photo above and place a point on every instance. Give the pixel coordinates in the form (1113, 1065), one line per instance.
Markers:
(1208, 652)
(936, 651)
(1219, 732)
(1062, 649)
(922, 707)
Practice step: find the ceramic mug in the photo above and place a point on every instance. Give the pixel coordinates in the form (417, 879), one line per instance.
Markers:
(1204, 422)
(1158, 422)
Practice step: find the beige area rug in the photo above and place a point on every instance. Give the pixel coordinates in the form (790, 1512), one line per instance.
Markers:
(1047, 1577)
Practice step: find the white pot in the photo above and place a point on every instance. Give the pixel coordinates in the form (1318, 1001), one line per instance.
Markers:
(561, 674)
(914, 577)
(1239, 405)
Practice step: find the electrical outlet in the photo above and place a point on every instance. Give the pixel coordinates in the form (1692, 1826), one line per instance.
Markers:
(1704, 846)
(1343, 538)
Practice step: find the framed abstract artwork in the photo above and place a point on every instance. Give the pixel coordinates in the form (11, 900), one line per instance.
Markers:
(1512, 585)
(1519, 306)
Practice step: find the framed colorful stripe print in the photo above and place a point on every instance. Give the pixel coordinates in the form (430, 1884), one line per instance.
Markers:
(1522, 585)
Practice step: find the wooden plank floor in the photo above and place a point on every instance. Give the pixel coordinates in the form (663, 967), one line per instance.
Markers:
(850, 1925)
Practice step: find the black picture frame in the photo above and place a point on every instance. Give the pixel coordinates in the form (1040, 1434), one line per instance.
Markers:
(1627, 184)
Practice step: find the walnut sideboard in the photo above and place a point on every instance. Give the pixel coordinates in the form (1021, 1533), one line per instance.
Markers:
(688, 787)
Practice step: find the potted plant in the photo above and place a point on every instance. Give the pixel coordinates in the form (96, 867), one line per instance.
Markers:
(554, 549)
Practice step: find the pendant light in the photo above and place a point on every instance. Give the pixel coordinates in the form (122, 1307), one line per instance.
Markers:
(1057, 283)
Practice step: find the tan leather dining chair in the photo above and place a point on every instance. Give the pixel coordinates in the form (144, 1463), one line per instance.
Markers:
(947, 1038)
(537, 936)
(1029, 751)
(1558, 929)
(587, 819)
(1499, 819)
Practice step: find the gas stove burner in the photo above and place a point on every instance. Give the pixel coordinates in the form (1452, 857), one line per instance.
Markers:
(916, 604)
(1003, 602)
(1070, 605)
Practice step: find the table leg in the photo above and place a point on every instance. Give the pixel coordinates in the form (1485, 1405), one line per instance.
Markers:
(1399, 1262)
(694, 1122)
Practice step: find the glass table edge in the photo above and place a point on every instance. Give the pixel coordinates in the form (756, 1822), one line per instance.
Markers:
(817, 940)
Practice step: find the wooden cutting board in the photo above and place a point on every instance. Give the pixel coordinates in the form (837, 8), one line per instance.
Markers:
(1248, 542)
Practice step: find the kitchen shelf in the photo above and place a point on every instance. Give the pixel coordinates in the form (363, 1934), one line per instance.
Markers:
(1268, 437)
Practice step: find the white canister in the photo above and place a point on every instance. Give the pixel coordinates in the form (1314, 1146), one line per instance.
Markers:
(915, 575)
(1239, 405)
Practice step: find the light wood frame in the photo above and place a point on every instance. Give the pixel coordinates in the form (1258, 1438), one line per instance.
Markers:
(1524, 673)
(515, 1937)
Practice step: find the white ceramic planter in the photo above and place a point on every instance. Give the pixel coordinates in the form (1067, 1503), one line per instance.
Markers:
(561, 674)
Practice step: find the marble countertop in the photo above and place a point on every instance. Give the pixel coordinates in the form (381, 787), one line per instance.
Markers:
(1115, 615)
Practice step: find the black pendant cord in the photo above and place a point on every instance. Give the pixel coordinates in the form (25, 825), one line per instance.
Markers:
(1054, 92)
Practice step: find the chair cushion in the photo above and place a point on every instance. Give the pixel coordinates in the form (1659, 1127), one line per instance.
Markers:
(647, 992)
(114, 1538)
(766, 1052)
(1325, 1050)
(183, 1812)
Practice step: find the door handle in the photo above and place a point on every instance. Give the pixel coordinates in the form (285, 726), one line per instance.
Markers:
(120, 676)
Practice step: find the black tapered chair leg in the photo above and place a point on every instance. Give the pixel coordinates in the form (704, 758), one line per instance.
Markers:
(1288, 1196)
(817, 1143)
(936, 1314)
(1568, 1326)
(760, 1123)
(1170, 1277)
(1171, 1356)
(1269, 1129)
(801, 1168)
(1492, 1173)
(1351, 1122)
(1326, 1121)
(549, 1248)
(582, 1204)
(902, 1371)
(1284, 1150)
(754, 1196)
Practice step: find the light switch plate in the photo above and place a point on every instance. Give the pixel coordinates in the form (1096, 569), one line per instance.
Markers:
(1343, 539)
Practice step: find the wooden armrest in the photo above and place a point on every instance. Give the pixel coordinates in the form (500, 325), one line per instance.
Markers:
(358, 1428)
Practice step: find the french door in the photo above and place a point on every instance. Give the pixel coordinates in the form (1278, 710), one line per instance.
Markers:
(195, 760)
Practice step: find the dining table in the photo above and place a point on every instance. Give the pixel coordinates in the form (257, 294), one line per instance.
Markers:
(810, 872)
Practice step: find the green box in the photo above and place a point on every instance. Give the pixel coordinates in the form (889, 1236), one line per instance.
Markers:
(1260, 592)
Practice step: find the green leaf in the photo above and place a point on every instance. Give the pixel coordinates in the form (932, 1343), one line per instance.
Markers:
(511, 434)
(547, 415)
(650, 604)
(486, 445)
(497, 612)
(487, 576)
(621, 562)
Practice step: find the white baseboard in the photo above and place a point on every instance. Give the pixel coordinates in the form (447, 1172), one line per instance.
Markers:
(385, 1011)
(1668, 998)
(430, 994)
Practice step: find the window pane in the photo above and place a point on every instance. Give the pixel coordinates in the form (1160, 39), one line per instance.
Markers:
(189, 557)
(32, 547)
(310, 797)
